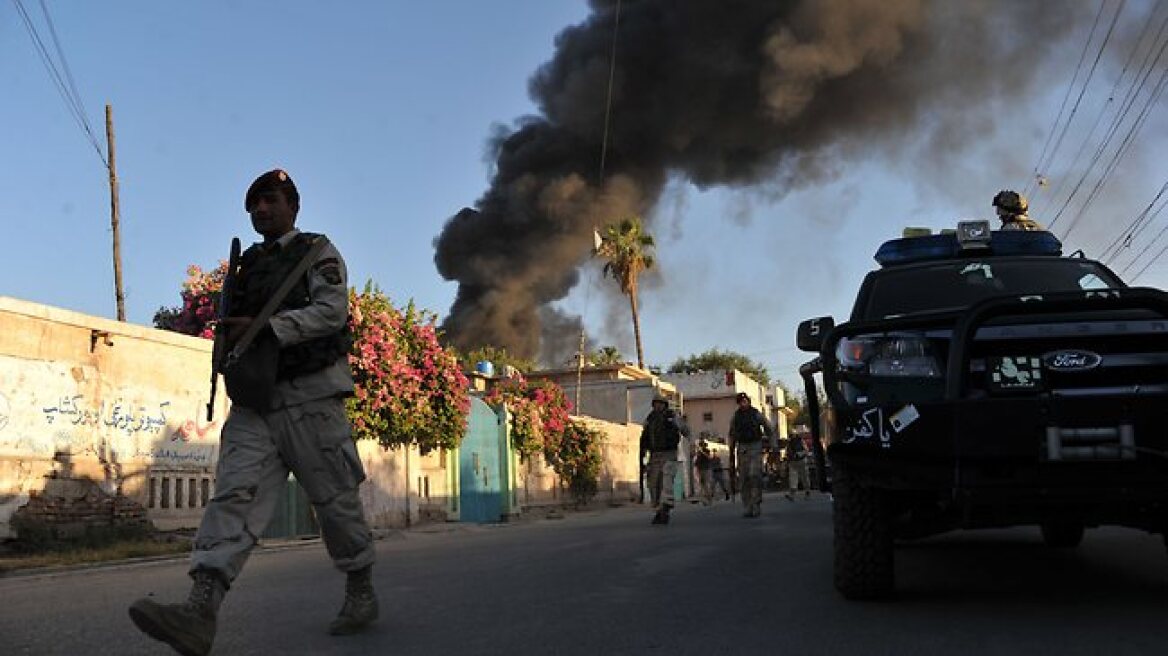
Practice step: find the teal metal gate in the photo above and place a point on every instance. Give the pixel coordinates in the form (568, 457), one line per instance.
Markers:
(293, 516)
(482, 480)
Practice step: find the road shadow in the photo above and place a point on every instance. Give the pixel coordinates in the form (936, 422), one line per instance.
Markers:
(1114, 566)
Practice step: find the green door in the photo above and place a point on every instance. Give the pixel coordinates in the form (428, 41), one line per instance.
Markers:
(482, 478)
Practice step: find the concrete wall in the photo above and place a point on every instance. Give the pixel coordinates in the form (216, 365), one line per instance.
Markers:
(124, 406)
(96, 399)
(536, 483)
(619, 475)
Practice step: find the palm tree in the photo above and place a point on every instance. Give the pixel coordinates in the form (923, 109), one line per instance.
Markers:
(606, 355)
(627, 247)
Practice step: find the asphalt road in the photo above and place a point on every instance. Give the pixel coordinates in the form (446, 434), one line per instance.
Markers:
(712, 582)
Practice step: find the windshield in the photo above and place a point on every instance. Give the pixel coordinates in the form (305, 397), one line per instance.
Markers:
(952, 285)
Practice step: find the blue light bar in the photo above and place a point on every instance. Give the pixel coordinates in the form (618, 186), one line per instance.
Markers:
(908, 250)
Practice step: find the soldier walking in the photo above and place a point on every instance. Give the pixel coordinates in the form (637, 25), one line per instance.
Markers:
(704, 464)
(796, 456)
(747, 429)
(660, 436)
(296, 422)
(718, 474)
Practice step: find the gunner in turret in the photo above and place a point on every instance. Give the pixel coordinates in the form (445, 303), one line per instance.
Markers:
(1011, 207)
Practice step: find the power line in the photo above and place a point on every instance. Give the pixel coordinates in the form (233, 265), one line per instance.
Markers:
(1086, 82)
(1123, 149)
(1152, 261)
(1148, 246)
(62, 81)
(1110, 103)
(1039, 165)
(600, 187)
(1134, 93)
(1131, 234)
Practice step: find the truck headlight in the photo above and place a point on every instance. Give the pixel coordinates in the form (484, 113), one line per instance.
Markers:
(888, 354)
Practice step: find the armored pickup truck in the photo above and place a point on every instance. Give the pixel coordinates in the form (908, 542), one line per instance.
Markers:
(984, 379)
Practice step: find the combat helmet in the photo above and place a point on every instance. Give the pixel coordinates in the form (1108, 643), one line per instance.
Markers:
(1010, 202)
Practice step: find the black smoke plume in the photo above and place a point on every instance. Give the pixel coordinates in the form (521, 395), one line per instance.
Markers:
(720, 92)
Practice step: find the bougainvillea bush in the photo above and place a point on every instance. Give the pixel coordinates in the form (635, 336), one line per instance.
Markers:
(200, 298)
(541, 423)
(576, 457)
(539, 412)
(410, 390)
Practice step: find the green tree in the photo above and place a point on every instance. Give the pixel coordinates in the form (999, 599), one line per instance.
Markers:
(715, 359)
(626, 247)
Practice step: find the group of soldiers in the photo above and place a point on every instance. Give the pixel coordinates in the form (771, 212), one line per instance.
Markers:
(751, 437)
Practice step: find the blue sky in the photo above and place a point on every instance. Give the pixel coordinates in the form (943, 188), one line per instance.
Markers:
(381, 112)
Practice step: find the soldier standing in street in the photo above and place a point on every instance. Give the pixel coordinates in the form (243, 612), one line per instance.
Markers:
(704, 463)
(747, 429)
(1011, 207)
(659, 439)
(718, 473)
(297, 423)
(796, 455)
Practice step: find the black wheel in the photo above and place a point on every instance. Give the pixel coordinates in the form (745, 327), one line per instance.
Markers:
(1062, 535)
(863, 538)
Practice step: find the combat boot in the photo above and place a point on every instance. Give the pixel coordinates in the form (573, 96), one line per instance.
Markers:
(662, 516)
(188, 627)
(360, 608)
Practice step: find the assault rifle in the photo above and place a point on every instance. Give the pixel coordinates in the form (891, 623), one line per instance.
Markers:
(220, 349)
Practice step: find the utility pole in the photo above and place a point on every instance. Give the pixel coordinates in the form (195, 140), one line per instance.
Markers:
(115, 217)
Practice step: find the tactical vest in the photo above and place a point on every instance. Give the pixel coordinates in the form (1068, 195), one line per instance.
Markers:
(747, 426)
(261, 272)
(662, 431)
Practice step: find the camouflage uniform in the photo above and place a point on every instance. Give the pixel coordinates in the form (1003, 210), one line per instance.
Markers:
(747, 429)
(704, 463)
(1020, 222)
(306, 433)
(796, 454)
(297, 424)
(660, 436)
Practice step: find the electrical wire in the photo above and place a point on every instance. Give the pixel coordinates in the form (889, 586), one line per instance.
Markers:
(600, 186)
(1086, 83)
(1134, 93)
(1128, 235)
(1124, 147)
(1038, 166)
(1147, 247)
(62, 81)
(1110, 103)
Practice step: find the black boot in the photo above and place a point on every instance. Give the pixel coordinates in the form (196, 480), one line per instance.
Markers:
(188, 627)
(662, 516)
(360, 607)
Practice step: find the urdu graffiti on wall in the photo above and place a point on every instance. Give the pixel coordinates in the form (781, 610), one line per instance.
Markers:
(147, 427)
(120, 416)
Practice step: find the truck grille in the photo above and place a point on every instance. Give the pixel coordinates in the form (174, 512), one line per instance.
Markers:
(1096, 358)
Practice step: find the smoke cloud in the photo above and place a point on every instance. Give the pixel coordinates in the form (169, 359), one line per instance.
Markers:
(726, 93)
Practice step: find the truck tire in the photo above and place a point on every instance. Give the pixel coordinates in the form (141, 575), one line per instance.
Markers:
(863, 538)
(1062, 535)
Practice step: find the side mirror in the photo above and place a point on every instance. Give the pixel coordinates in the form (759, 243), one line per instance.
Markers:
(810, 335)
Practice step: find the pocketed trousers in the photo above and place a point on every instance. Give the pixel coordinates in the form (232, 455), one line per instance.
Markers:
(256, 452)
(749, 460)
(662, 471)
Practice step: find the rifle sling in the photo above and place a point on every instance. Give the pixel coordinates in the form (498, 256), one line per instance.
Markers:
(261, 319)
